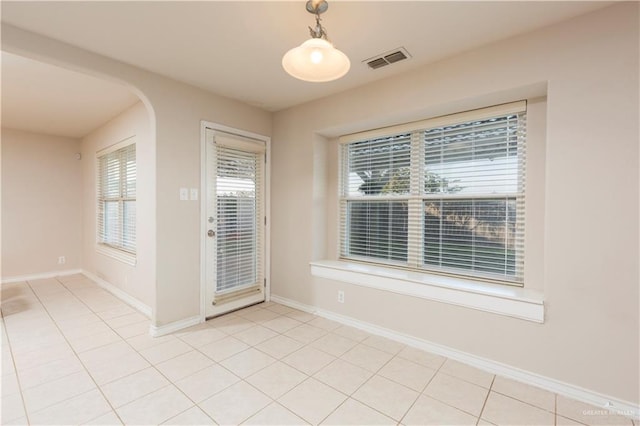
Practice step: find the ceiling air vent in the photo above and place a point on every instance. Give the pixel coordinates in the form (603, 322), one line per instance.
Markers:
(377, 63)
(387, 58)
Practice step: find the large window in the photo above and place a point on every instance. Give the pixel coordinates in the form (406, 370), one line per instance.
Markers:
(444, 195)
(117, 198)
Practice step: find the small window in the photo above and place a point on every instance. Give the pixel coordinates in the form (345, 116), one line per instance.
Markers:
(444, 195)
(117, 199)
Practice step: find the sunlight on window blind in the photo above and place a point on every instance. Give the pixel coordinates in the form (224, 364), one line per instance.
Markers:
(117, 199)
(448, 199)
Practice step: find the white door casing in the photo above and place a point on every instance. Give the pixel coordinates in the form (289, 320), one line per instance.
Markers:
(234, 265)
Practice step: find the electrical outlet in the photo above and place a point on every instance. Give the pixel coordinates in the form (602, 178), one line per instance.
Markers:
(61, 260)
(340, 296)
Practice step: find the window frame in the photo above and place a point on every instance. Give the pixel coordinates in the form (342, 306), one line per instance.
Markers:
(117, 251)
(416, 198)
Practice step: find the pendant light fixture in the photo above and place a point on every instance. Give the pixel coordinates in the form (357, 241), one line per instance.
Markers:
(316, 59)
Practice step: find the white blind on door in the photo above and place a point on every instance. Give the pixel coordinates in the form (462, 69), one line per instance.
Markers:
(240, 214)
(116, 190)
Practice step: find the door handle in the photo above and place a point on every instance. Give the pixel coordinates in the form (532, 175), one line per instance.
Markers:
(211, 233)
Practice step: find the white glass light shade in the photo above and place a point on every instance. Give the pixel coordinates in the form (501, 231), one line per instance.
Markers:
(316, 60)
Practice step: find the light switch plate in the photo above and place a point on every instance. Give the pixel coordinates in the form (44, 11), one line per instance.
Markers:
(184, 194)
(194, 194)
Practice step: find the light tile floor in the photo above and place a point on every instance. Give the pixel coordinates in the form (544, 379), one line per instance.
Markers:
(74, 354)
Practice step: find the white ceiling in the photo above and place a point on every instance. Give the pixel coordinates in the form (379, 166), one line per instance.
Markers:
(47, 99)
(234, 48)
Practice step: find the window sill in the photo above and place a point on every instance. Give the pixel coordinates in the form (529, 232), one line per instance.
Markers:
(122, 256)
(495, 298)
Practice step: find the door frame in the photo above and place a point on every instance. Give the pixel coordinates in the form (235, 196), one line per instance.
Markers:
(204, 125)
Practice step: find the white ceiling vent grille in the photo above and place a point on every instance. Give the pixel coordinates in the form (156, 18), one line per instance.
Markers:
(387, 58)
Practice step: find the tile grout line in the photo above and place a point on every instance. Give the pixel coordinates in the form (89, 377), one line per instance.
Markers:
(244, 379)
(357, 342)
(151, 365)
(490, 389)
(270, 398)
(75, 353)
(178, 337)
(284, 407)
(304, 345)
(277, 334)
(196, 404)
(241, 379)
(484, 404)
(526, 402)
(337, 408)
(421, 393)
(124, 340)
(291, 366)
(296, 386)
(367, 381)
(15, 369)
(62, 334)
(457, 378)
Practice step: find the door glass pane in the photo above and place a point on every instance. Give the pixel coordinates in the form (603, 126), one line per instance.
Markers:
(237, 212)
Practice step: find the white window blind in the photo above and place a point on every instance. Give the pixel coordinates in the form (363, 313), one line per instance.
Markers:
(117, 198)
(376, 195)
(240, 215)
(444, 195)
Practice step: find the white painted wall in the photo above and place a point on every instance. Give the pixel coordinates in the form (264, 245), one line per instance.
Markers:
(175, 111)
(139, 280)
(41, 203)
(588, 68)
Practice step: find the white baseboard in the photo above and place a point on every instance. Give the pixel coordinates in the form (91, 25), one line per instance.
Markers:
(40, 276)
(174, 326)
(293, 304)
(578, 393)
(120, 294)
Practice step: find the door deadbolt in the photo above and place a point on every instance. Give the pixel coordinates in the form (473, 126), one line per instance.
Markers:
(211, 233)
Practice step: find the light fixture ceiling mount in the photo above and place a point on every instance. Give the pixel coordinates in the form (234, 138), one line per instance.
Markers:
(317, 7)
(316, 59)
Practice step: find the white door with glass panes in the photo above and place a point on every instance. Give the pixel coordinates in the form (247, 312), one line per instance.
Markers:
(235, 221)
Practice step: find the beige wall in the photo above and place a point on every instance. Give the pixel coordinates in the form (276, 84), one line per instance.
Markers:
(176, 110)
(41, 203)
(588, 69)
(179, 110)
(138, 280)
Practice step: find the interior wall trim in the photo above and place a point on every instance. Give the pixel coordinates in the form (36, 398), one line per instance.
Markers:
(163, 330)
(40, 276)
(120, 294)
